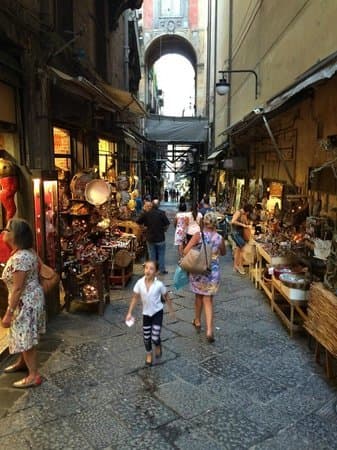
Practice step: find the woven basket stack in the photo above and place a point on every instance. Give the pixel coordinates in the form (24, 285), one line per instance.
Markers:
(322, 317)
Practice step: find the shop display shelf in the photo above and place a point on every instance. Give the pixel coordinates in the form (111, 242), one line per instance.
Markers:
(291, 311)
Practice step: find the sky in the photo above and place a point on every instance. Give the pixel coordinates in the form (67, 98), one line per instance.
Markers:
(175, 76)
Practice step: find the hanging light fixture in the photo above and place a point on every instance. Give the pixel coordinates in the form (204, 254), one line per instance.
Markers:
(222, 86)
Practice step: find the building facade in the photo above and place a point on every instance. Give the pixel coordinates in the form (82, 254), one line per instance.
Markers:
(282, 119)
(69, 77)
(177, 26)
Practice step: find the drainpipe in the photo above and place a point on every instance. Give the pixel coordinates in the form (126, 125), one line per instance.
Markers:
(215, 68)
(209, 46)
(230, 57)
(126, 50)
(278, 151)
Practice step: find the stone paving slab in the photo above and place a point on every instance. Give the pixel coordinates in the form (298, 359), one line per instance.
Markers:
(183, 436)
(186, 399)
(57, 435)
(98, 426)
(230, 429)
(229, 369)
(140, 412)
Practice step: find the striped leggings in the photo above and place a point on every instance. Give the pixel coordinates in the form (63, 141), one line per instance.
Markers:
(151, 329)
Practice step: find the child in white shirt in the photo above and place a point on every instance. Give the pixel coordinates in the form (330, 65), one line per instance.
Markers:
(150, 291)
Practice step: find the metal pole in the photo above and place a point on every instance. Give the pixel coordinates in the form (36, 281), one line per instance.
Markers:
(126, 50)
(230, 57)
(278, 151)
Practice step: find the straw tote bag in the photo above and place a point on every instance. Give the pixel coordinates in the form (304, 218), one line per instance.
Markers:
(198, 260)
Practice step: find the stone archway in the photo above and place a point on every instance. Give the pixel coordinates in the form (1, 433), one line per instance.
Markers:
(174, 43)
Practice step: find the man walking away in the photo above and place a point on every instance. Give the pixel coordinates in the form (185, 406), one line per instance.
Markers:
(156, 223)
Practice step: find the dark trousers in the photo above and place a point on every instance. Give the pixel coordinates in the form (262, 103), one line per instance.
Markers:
(151, 329)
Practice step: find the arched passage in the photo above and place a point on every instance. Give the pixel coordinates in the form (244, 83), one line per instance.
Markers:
(169, 43)
(164, 45)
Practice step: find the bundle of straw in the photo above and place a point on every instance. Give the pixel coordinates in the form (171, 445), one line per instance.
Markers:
(322, 317)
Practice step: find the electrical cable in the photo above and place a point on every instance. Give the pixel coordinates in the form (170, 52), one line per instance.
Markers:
(249, 25)
(243, 24)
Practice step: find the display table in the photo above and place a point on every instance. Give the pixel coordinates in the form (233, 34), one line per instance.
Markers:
(289, 305)
(263, 258)
(96, 275)
(120, 273)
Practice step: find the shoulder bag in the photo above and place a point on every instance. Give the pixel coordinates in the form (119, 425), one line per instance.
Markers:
(49, 278)
(198, 260)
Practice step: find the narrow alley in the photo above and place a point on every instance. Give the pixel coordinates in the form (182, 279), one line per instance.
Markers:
(254, 388)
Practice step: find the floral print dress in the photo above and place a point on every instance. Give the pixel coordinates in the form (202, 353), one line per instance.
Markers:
(209, 284)
(29, 316)
(181, 225)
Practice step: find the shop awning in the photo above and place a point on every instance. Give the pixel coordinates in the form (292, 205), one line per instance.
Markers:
(185, 130)
(214, 155)
(84, 88)
(321, 71)
(124, 100)
(132, 138)
(109, 97)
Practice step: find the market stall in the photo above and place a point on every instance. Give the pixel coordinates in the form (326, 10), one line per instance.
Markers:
(98, 247)
(296, 266)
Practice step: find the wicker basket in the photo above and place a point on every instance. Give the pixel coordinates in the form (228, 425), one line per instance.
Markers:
(122, 259)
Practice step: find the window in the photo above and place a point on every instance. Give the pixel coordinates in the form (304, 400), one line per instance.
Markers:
(62, 149)
(170, 8)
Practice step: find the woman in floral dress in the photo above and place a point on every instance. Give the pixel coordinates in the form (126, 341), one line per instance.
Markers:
(180, 223)
(206, 286)
(25, 315)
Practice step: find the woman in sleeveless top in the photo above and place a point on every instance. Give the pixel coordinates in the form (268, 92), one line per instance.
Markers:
(207, 285)
(239, 225)
(194, 222)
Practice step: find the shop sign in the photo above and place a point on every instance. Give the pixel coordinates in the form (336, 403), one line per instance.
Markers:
(276, 189)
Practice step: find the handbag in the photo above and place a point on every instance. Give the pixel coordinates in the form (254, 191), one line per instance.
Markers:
(246, 234)
(180, 278)
(238, 239)
(198, 260)
(49, 279)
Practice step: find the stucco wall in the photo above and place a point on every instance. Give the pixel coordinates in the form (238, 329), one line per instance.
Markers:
(280, 41)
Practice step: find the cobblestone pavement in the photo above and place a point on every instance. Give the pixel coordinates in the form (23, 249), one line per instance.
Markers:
(254, 388)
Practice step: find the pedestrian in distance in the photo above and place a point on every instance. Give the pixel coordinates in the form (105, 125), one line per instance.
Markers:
(240, 224)
(206, 206)
(150, 290)
(156, 223)
(202, 201)
(194, 218)
(180, 223)
(25, 315)
(205, 286)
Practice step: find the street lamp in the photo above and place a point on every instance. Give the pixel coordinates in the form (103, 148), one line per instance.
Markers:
(222, 86)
